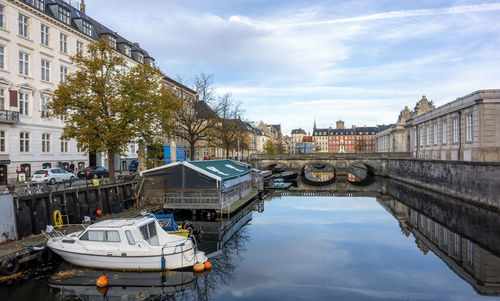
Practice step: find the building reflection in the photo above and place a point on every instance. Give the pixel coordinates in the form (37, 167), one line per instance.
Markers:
(476, 264)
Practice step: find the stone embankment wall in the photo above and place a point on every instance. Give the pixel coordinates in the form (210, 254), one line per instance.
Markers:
(475, 182)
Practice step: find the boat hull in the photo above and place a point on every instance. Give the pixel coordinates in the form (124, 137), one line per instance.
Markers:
(174, 261)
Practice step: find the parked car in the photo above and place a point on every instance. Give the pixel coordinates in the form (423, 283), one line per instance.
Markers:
(52, 175)
(93, 172)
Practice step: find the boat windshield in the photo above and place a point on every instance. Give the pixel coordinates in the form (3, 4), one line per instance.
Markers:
(149, 234)
(100, 235)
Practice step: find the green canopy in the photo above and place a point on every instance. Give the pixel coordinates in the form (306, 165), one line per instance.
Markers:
(225, 169)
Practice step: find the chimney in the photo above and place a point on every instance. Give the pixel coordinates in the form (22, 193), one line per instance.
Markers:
(82, 6)
(136, 45)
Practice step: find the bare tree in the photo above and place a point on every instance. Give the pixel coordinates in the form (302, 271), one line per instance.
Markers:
(196, 117)
(230, 128)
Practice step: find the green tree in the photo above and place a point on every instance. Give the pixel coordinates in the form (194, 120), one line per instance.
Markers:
(108, 105)
(269, 147)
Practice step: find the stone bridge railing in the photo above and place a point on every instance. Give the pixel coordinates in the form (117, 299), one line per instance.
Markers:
(473, 182)
(376, 162)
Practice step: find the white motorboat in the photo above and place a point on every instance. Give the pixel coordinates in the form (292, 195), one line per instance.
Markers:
(127, 244)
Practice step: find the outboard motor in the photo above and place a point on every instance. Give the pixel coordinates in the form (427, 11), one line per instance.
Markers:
(196, 233)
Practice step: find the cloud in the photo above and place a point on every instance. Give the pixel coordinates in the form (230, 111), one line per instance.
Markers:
(289, 62)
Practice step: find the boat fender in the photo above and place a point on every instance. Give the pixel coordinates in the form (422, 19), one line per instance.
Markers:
(207, 265)
(44, 256)
(199, 267)
(10, 266)
(102, 281)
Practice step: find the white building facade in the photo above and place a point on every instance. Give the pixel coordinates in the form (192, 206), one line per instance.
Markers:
(37, 40)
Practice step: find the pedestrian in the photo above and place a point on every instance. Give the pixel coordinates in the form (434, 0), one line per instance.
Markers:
(71, 167)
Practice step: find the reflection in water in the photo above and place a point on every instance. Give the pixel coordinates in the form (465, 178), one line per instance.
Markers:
(358, 251)
(352, 178)
(80, 282)
(319, 174)
(476, 265)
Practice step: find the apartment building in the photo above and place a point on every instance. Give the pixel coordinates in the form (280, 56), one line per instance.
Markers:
(37, 40)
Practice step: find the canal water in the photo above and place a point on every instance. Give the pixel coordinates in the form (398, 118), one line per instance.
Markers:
(315, 244)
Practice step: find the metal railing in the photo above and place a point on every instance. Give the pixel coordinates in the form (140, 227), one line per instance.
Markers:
(9, 116)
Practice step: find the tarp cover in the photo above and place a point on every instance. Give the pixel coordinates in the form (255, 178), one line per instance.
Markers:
(225, 169)
(182, 177)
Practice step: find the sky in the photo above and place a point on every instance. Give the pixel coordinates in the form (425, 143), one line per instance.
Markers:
(295, 61)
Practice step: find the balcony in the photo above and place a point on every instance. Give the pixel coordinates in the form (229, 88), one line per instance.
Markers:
(7, 116)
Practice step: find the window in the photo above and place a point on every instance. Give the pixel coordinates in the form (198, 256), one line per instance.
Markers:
(435, 133)
(416, 137)
(128, 50)
(23, 63)
(2, 57)
(468, 128)
(470, 254)
(63, 43)
(148, 232)
(130, 238)
(112, 41)
(24, 142)
(87, 28)
(428, 135)
(44, 100)
(455, 129)
(140, 58)
(112, 236)
(45, 70)
(79, 46)
(23, 103)
(63, 14)
(64, 74)
(2, 141)
(64, 146)
(445, 237)
(456, 245)
(44, 34)
(421, 136)
(23, 26)
(2, 99)
(39, 4)
(445, 130)
(45, 143)
(2, 13)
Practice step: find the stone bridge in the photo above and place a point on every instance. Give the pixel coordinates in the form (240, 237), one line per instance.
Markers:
(375, 163)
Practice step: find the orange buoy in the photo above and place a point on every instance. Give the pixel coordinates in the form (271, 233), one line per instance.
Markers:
(207, 265)
(199, 267)
(99, 212)
(102, 281)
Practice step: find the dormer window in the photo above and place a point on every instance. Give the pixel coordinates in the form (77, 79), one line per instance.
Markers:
(38, 4)
(87, 28)
(63, 14)
(128, 50)
(111, 41)
(140, 58)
